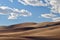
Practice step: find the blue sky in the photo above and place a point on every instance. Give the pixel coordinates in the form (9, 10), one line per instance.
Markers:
(35, 11)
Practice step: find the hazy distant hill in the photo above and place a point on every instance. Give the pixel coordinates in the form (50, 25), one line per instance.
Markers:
(31, 31)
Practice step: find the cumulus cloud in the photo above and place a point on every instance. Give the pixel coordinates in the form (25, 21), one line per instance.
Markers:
(53, 17)
(5, 10)
(55, 8)
(48, 15)
(24, 12)
(56, 19)
(13, 16)
(13, 13)
(33, 2)
(54, 5)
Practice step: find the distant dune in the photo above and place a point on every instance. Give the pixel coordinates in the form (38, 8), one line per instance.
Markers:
(31, 31)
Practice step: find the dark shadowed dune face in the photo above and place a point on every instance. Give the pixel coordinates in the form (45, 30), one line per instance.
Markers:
(31, 31)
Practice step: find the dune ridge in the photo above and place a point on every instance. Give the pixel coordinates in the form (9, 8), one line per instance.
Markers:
(31, 31)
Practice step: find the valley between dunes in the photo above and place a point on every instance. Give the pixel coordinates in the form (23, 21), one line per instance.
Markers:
(31, 31)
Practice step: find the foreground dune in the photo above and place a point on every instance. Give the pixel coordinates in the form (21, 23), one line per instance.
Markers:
(31, 31)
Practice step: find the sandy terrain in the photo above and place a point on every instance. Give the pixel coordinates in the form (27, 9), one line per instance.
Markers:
(31, 31)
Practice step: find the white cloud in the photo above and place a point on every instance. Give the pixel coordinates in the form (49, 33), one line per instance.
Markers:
(48, 15)
(55, 6)
(13, 13)
(5, 10)
(13, 16)
(57, 19)
(25, 13)
(33, 2)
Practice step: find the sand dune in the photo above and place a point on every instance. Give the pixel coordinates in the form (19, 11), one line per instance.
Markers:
(31, 31)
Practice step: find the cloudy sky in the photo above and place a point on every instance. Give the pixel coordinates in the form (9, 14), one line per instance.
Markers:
(20, 11)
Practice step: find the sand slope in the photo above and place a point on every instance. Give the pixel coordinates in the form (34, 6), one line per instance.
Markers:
(31, 31)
